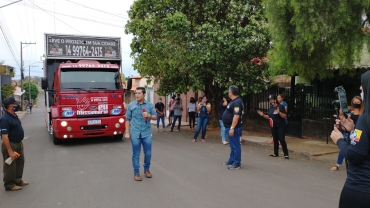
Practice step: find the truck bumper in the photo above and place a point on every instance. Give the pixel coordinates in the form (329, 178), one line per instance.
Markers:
(74, 128)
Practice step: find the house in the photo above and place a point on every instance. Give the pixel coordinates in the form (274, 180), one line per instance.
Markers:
(18, 93)
(138, 81)
(152, 96)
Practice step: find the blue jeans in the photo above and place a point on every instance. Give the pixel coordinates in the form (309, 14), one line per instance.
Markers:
(223, 133)
(201, 123)
(340, 155)
(174, 121)
(235, 147)
(136, 149)
(340, 158)
(158, 120)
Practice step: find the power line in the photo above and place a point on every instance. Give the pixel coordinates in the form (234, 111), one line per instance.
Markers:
(8, 44)
(56, 18)
(81, 18)
(96, 9)
(83, 11)
(29, 34)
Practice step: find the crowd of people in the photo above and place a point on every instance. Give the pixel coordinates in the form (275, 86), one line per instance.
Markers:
(351, 134)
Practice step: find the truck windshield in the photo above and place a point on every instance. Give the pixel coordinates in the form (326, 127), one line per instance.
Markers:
(90, 79)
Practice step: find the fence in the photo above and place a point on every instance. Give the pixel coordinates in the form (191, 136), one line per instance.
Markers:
(304, 103)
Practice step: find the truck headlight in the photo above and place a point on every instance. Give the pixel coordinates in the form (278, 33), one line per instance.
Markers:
(121, 120)
(63, 123)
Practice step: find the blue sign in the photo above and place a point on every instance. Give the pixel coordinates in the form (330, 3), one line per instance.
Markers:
(115, 111)
(68, 113)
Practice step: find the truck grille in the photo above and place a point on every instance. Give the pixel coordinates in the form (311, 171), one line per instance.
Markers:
(93, 115)
(99, 127)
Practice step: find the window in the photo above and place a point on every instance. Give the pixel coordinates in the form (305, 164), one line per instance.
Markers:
(90, 79)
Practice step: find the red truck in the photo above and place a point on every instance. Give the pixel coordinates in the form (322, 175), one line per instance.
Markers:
(84, 96)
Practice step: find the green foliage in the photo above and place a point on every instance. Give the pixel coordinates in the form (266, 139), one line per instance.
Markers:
(200, 45)
(123, 79)
(34, 91)
(6, 89)
(311, 37)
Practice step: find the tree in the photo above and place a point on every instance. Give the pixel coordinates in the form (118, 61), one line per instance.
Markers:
(6, 89)
(200, 45)
(123, 79)
(34, 91)
(311, 37)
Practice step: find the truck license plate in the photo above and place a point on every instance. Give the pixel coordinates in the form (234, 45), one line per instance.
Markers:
(93, 121)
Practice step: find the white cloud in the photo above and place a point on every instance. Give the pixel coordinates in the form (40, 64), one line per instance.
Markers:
(29, 20)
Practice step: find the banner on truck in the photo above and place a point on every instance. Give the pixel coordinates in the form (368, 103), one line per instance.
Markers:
(82, 46)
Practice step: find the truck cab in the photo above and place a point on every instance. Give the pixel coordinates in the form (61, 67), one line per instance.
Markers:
(86, 100)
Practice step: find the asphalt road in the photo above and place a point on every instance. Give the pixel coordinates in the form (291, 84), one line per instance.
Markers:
(98, 173)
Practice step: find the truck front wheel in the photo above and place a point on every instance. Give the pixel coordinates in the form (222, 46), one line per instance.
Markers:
(56, 141)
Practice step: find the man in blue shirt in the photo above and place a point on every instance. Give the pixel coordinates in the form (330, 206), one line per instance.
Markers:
(138, 129)
(232, 119)
(12, 135)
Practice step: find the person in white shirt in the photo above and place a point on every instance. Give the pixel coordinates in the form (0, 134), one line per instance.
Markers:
(191, 112)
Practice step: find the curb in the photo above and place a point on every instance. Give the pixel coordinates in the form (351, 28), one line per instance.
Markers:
(304, 154)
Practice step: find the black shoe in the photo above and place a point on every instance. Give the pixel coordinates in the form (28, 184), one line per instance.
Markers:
(234, 167)
(171, 130)
(286, 156)
(273, 155)
(227, 163)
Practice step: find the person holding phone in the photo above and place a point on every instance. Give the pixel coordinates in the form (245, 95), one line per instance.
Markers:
(356, 190)
(203, 108)
(357, 105)
(277, 115)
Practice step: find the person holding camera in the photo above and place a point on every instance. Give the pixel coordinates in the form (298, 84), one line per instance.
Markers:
(357, 108)
(203, 108)
(12, 134)
(277, 115)
(356, 190)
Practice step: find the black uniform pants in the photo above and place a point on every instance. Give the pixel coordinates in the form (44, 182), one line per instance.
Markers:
(13, 173)
(191, 119)
(352, 198)
(278, 134)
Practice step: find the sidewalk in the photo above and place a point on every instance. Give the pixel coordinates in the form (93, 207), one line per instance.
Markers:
(21, 114)
(313, 149)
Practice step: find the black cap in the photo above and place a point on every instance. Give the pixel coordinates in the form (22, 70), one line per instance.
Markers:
(11, 100)
(272, 96)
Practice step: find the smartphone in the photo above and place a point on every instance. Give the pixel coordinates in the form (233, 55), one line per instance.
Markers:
(203, 101)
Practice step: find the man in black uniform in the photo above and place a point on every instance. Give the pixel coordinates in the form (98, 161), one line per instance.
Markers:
(12, 135)
(232, 119)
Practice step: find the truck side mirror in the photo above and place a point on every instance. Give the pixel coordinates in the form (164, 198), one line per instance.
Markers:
(44, 83)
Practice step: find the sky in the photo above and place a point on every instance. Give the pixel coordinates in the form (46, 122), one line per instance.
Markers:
(27, 21)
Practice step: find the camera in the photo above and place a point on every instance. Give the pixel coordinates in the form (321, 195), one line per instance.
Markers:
(341, 102)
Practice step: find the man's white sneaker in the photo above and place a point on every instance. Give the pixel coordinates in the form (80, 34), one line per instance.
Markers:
(225, 142)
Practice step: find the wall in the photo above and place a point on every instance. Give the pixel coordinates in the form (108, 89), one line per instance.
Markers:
(185, 101)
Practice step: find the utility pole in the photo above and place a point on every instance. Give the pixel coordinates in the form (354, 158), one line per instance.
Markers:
(29, 83)
(22, 75)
